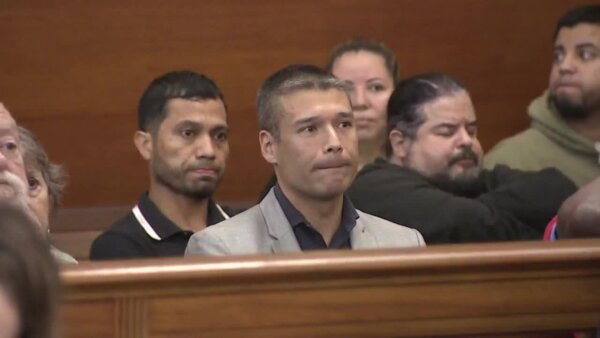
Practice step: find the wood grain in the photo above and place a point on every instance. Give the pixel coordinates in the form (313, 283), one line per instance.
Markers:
(73, 71)
(457, 290)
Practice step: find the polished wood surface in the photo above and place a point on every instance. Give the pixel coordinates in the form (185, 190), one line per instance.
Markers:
(455, 290)
(73, 71)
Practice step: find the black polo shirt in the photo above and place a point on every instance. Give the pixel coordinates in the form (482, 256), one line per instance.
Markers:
(307, 236)
(145, 232)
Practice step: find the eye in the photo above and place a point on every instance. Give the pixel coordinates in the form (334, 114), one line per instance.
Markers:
(446, 131)
(346, 124)
(33, 182)
(587, 54)
(10, 149)
(9, 146)
(558, 55)
(188, 133)
(308, 129)
(376, 87)
(221, 136)
(472, 130)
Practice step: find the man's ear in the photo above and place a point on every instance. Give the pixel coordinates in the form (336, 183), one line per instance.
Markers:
(268, 146)
(143, 143)
(399, 144)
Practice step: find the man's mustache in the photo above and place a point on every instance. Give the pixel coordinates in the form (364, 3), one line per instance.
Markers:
(465, 154)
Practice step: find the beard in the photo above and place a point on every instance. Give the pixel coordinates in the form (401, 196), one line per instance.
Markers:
(175, 180)
(466, 184)
(568, 109)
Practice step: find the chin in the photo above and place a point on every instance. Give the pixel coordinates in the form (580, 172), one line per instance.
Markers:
(467, 175)
(200, 191)
(331, 191)
(365, 134)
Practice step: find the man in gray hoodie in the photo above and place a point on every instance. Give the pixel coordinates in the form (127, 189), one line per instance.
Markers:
(565, 120)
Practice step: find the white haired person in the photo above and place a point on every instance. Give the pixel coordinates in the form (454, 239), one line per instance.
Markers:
(46, 183)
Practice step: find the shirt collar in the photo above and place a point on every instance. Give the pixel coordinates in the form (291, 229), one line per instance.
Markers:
(159, 227)
(295, 217)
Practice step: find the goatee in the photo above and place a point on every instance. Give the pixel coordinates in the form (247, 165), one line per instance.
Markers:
(568, 109)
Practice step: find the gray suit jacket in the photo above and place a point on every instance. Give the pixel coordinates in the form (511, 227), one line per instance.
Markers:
(265, 229)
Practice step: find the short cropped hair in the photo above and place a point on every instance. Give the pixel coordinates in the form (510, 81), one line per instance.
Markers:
(578, 15)
(35, 158)
(286, 81)
(28, 273)
(405, 111)
(178, 84)
(362, 44)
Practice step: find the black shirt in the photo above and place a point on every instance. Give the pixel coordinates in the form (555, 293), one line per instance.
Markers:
(307, 236)
(510, 204)
(145, 232)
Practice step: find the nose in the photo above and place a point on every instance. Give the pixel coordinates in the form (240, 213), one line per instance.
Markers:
(3, 162)
(333, 144)
(358, 98)
(205, 147)
(568, 64)
(465, 139)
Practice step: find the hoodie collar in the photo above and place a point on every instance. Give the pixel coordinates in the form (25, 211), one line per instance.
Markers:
(545, 118)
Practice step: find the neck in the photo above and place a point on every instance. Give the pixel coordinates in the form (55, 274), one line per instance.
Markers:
(369, 151)
(324, 215)
(588, 127)
(187, 213)
(395, 161)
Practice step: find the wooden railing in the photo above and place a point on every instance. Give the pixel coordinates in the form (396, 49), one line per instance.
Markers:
(74, 229)
(458, 290)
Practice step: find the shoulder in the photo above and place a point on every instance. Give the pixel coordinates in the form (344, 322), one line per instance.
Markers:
(125, 224)
(121, 239)
(391, 231)
(381, 178)
(226, 237)
(518, 149)
(126, 228)
(240, 220)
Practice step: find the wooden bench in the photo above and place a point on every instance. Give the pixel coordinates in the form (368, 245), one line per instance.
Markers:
(457, 290)
(73, 230)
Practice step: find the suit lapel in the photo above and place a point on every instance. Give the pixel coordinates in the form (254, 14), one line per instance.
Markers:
(278, 227)
(361, 236)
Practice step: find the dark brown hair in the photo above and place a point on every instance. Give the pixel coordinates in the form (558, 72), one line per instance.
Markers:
(28, 273)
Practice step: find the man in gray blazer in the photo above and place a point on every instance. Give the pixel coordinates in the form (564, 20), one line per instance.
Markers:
(308, 133)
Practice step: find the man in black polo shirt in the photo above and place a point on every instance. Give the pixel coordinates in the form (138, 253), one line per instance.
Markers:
(183, 134)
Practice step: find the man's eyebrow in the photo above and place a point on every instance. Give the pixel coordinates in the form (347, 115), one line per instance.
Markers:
(188, 123)
(220, 127)
(586, 45)
(375, 79)
(345, 114)
(445, 125)
(306, 120)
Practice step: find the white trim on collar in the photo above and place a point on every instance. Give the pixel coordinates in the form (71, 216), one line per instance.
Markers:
(222, 211)
(144, 223)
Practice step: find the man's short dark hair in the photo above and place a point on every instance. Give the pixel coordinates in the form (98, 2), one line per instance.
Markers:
(178, 84)
(286, 81)
(405, 111)
(362, 44)
(583, 14)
